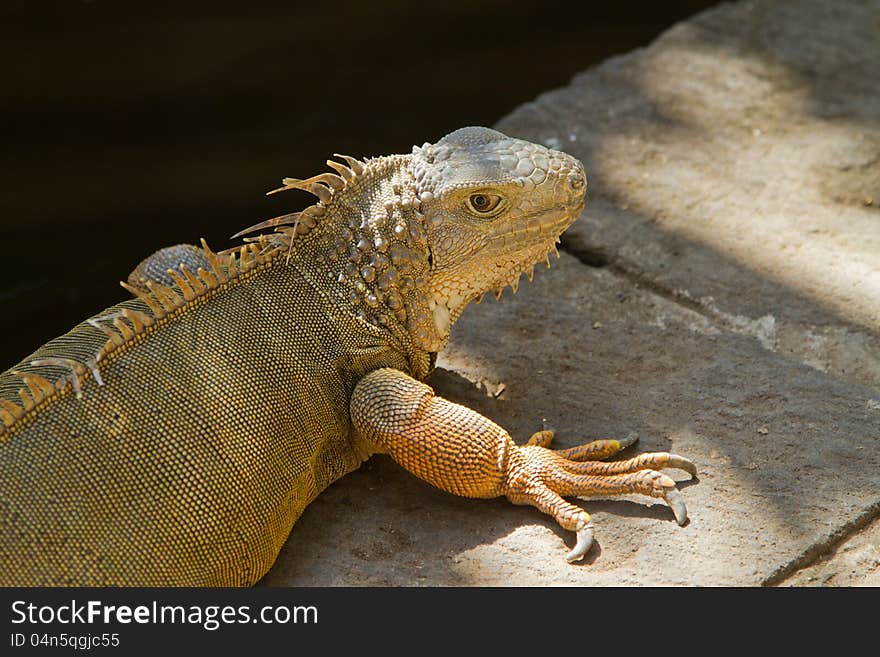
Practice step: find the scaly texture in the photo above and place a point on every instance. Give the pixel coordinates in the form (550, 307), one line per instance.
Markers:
(176, 437)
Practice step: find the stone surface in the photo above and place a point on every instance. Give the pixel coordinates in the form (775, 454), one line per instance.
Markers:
(736, 164)
(854, 563)
(720, 296)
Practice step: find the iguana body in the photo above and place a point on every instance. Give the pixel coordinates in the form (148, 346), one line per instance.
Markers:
(175, 438)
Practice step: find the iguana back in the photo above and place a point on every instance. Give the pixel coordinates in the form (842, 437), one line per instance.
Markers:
(210, 434)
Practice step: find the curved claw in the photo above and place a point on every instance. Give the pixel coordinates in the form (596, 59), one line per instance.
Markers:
(631, 439)
(676, 503)
(680, 462)
(545, 426)
(583, 545)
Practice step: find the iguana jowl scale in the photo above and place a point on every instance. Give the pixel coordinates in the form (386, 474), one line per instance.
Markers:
(176, 437)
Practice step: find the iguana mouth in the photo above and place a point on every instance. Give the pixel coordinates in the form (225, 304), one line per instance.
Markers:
(551, 223)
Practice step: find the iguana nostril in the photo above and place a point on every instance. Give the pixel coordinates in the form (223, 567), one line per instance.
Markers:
(577, 181)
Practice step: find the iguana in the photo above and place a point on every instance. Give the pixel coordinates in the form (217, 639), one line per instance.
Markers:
(175, 438)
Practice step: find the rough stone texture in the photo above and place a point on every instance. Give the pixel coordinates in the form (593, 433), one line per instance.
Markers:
(736, 163)
(854, 563)
(720, 296)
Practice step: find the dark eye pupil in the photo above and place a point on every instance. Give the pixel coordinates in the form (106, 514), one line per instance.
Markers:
(481, 201)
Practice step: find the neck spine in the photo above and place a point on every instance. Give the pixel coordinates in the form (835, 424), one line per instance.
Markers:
(374, 245)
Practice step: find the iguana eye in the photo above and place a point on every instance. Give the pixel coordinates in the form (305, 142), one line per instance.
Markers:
(483, 203)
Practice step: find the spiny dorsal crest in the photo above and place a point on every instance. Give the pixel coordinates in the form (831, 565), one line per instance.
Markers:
(176, 288)
(122, 328)
(324, 186)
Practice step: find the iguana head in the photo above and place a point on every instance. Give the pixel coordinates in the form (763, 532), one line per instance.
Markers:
(407, 241)
(493, 207)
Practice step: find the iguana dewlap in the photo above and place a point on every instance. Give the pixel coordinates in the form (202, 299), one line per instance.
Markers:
(176, 437)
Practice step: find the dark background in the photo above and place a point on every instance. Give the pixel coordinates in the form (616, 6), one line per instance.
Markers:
(128, 126)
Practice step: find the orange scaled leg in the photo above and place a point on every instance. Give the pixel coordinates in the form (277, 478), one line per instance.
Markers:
(462, 452)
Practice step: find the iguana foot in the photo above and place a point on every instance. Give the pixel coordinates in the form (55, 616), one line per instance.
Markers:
(542, 477)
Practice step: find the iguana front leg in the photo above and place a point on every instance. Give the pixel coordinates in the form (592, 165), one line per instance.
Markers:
(462, 452)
